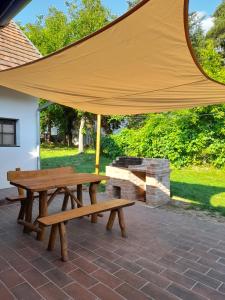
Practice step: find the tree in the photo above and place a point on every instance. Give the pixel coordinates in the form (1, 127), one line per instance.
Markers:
(212, 61)
(196, 32)
(132, 3)
(217, 32)
(57, 30)
(86, 18)
(48, 35)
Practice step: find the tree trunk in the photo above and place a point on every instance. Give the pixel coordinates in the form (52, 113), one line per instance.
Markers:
(64, 139)
(81, 136)
(70, 139)
(49, 133)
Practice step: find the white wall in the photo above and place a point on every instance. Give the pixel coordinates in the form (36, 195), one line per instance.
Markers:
(14, 105)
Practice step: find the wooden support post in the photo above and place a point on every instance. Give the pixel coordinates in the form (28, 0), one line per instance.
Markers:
(21, 192)
(122, 222)
(52, 237)
(43, 211)
(79, 194)
(98, 145)
(65, 201)
(52, 197)
(92, 192)
(63, 241)
(29, 226)
(111, 220)
(28, 207)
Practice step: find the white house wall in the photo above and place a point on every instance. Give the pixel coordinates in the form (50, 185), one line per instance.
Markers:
(14, 105)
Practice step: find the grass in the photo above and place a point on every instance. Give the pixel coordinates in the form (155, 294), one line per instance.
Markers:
(202, 187)
(58, 157)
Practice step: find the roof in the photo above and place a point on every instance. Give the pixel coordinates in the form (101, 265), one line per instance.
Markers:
(140, 63)
(9, 9)
(15, 48)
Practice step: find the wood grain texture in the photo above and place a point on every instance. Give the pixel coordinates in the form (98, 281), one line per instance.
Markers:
(122, 222)
(28, 210)
(92, 192)
(16, 198)
(47, 182)
(111, 220)
(14, 175)
(63, 241)
(43, 211)
(79, 193)
(18, 175)
(52, 237)
(65, 202)
(84, 211)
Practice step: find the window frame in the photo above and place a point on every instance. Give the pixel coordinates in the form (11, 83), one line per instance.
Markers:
(8, 121)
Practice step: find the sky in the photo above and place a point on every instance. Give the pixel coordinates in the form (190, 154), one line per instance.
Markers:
(117, 7)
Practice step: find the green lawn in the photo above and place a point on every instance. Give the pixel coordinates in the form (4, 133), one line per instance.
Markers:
(202, 187)
(58, 157)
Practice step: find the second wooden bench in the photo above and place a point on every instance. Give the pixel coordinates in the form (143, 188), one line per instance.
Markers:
(18, 174)
(57, 221)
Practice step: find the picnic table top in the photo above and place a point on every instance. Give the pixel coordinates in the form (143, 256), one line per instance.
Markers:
(45, 183)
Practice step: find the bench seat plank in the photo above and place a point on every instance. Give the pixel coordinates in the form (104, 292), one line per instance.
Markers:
(16, 198)
(84, 211)
(23, 197)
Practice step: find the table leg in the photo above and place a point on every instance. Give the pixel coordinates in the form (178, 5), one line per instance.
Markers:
(43, 211)
(79, 193)
(92, 192)
(28, 210)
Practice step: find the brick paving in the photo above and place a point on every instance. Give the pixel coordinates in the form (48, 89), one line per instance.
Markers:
(167, 255)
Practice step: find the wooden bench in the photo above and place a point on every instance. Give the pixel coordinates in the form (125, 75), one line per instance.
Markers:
(57, 221)
(18, 174)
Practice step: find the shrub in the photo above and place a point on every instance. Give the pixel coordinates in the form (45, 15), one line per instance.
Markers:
(187, 137)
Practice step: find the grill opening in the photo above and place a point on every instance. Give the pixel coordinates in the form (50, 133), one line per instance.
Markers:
(117, 192)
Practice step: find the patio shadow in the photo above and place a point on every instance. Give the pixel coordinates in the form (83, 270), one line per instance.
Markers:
(204, 196)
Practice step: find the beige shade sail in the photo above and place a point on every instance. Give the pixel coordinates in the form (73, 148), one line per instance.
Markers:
(140, 63)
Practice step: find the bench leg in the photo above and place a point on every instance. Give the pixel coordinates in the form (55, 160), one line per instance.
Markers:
(111, 220)
(122, 222)
(52, 237)
(63, 241)
(43, 211)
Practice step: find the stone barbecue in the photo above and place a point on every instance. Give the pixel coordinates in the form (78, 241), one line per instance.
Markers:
(144, 179)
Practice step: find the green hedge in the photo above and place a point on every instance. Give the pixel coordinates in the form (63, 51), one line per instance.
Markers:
(186, 137)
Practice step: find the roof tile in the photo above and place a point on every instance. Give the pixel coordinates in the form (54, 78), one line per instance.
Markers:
(15, 48)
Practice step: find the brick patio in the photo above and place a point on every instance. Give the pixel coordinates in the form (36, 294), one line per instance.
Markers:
(166, 256)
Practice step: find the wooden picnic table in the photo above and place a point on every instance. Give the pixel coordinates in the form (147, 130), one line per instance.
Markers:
(43, 184)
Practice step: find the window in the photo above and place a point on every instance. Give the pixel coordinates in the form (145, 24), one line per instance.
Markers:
(7, 132)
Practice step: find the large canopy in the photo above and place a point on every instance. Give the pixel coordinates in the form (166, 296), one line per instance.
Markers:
(142, 62)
